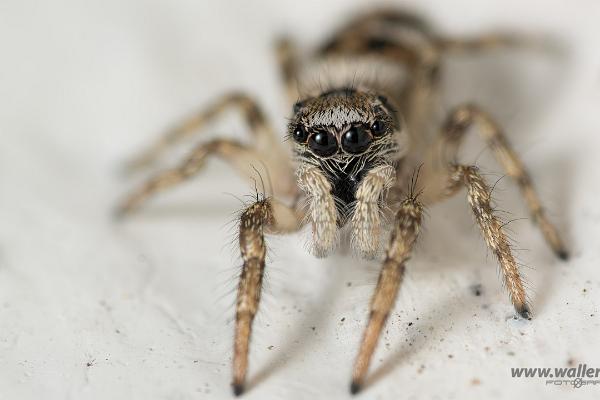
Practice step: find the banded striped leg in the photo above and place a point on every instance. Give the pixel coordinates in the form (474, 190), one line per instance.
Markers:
(240, 156)
(479, 197)
(265, 138)
(404, 235)
(266, 214)
(454, 131)
(489, 41)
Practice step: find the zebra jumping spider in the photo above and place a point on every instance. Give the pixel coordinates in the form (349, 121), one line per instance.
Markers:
(356, 145)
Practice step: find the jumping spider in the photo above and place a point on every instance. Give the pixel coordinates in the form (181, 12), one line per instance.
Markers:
(356, 144)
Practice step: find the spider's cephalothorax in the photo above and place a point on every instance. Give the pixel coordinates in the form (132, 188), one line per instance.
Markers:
(345, 133)
(347, 144)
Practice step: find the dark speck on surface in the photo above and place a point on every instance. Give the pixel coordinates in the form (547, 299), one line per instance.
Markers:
(476, 289)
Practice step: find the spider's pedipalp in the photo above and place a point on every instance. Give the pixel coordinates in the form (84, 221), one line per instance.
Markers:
(322, 209)
(366, 214)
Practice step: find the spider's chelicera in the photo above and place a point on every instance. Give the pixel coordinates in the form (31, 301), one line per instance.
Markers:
(356, 146)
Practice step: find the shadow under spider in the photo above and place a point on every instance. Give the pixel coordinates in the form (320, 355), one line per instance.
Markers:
(319, 312)
(416, 340)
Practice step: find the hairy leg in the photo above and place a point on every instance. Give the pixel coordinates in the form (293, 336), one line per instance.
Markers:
(404, 235)
(288, 60)
(453, 133)
(264, 215)
(479, 197)
(264, 136)
(240, 156)
(366, 217)
(490, 41)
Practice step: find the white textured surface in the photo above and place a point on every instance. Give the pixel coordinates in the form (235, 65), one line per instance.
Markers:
(143, 310)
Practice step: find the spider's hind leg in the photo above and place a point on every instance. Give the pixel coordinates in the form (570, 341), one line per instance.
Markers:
(252, 113)
(457, 125)
(240, 156)
(288, 60)
(264, 152)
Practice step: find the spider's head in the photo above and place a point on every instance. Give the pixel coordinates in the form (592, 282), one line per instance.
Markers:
(343, 124)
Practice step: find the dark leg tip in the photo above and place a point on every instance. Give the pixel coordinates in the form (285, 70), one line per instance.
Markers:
(524, 312)
(563, 255)
(238, 389)
(355, 387)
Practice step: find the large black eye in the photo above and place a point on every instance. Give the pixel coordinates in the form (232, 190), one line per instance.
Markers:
(378, 128)
(300, 135)
(356, 140)
(323, 143)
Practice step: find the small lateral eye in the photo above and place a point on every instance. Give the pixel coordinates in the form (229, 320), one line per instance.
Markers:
(377, 128)
(297, 107)
(300, 135)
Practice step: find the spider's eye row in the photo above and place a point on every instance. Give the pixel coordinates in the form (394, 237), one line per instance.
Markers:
(323, 143)
(300, 135)
(377, 128)
(356, 140)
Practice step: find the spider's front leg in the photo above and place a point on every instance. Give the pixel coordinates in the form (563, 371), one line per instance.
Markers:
(404, 234)
(264, 215)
